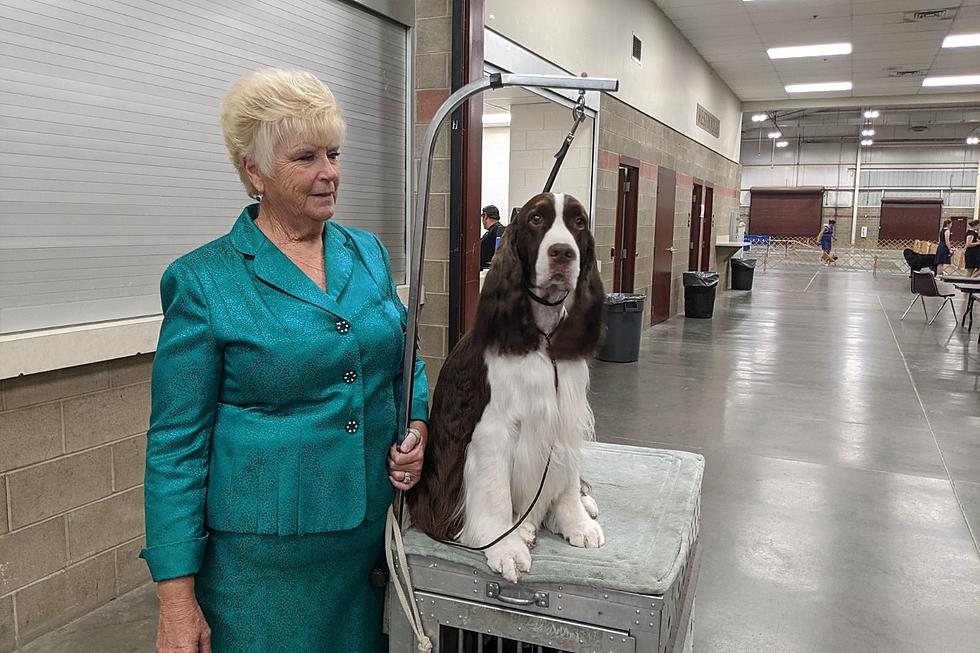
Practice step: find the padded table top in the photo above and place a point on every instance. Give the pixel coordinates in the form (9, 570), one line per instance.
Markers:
(649, 505)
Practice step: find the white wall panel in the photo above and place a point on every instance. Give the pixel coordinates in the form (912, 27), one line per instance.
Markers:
(111, 158)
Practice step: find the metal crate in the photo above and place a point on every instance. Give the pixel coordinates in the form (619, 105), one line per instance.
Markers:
(467, 608)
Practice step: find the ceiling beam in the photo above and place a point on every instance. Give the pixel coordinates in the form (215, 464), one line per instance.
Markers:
(891, 101)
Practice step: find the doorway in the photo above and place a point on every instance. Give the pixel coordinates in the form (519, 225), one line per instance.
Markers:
(707, 220)
(663, 245)
(694, 243)
(624, 262)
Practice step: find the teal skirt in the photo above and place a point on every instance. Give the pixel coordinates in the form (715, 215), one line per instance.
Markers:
(296, 593)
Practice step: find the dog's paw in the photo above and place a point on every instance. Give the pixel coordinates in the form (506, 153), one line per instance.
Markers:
(529, 534)
(509, 558)
(590, 506)
(587, 535)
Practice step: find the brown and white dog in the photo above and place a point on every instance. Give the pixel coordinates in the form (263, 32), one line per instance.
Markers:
(514, 392)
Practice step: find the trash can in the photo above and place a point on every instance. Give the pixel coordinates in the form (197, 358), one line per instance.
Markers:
(743, 269)
(699, 294)
(623, 316)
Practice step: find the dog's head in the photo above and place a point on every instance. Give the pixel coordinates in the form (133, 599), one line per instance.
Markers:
(547, 250)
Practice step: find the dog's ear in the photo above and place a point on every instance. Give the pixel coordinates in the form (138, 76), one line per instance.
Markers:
(579, 334)
(503, 315)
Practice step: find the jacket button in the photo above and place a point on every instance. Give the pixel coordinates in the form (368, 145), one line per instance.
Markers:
(343, 327)
(352, 426)
(350, 376)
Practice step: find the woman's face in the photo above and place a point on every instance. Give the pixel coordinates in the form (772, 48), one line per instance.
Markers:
(306, 179)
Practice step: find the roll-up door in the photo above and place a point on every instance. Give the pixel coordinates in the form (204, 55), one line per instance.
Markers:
(111, 158)
(786, 212)
(910, 219)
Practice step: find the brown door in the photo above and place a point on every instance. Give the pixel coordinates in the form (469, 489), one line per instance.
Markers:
(624, 265)
(663, 245)
(957, 231)
(709, 200)
(694, 244)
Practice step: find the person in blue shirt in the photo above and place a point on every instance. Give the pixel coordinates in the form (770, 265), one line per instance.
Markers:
(270, 459)
(490, 217)
(826, 237)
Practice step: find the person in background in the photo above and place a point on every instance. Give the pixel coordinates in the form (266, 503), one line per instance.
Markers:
(944, 251)
(826, 237)
(972, 254)
(490, 216)
(270, 458)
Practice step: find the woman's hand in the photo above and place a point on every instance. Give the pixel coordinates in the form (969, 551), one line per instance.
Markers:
(182, 628)
(405, 462)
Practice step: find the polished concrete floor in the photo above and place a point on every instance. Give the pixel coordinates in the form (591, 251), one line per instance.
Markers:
(842, 479)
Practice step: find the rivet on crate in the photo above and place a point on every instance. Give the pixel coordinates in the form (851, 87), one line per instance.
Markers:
(637, 612)
(637, 622)
(651, 624)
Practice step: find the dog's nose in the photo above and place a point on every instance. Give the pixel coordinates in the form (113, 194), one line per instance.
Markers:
(561, 253)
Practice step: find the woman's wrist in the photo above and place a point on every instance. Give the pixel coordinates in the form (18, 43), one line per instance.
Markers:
(176, 590)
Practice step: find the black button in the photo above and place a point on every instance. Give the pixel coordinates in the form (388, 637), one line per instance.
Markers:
(350, 376)
(343, 327)
(352, 426)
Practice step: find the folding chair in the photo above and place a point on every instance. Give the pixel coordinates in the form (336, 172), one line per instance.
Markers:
(924, 285)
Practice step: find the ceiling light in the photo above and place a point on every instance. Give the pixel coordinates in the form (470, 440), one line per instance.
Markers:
(825, 50)
(962, 41)
(782, 143)
(871, 114)
(973, 140)
(866, 142)
(954, 80)
(867, 132)
(775, 134)
(821, 87)
(759, 117)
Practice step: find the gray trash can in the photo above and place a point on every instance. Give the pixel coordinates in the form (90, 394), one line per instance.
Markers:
(623, 315)
(699, 294)
(743, 269)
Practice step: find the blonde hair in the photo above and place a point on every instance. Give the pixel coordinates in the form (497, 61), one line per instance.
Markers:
(266, 106)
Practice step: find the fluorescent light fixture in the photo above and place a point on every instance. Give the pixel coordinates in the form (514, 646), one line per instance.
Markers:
(497, 119)
(825, 50)
(962, 41)
(822, 87)
(871, 114)
(867, 132)
(953, 80)
(973, 140)
(866, 142)
(782, 143)
(759, 117)
(775, 134)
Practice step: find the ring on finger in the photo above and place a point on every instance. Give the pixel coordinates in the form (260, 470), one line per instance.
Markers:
(407, 478)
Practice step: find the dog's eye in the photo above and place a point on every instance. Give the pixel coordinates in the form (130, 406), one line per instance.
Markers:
(580, 223)
(536, 219)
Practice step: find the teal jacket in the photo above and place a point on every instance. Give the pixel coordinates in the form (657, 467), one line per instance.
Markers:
(274, 403)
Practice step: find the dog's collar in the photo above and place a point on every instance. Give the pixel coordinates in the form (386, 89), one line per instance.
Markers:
(545, 302)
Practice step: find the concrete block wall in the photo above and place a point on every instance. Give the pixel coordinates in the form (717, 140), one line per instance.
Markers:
(73, 444)
(625, 131)
(433, 23)
(536, 133)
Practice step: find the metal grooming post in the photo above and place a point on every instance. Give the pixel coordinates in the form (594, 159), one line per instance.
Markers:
(494, 81)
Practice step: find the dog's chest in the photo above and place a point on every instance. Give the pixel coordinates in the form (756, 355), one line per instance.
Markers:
(532, 387)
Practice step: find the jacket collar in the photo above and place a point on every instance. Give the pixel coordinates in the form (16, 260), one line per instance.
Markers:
(275, 269)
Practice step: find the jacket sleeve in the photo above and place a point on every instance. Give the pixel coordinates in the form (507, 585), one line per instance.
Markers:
(186, 379)
(420, 385)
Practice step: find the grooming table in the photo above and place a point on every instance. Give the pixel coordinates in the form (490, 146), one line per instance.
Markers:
(633, 595)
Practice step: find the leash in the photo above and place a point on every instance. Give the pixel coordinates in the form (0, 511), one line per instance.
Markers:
(578, 116)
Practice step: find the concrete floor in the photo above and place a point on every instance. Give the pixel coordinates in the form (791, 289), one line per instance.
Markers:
(843, 470)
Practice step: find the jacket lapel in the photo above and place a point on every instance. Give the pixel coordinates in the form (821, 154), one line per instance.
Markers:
(275, 269)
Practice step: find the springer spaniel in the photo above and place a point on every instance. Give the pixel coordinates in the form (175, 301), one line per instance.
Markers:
(512, 395)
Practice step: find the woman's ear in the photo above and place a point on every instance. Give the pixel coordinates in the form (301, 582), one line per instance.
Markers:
(254, 176)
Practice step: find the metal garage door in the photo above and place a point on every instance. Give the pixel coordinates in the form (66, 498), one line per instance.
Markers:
(910, 219)
(111, 158)
(786, 212)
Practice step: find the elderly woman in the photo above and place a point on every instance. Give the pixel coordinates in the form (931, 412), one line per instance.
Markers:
(276, 384)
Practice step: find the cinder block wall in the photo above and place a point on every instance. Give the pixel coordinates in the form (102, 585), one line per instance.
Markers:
(72, 447)
(624, 131)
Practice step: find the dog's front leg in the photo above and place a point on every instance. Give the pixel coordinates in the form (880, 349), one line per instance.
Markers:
(487, 503)
(570, 518)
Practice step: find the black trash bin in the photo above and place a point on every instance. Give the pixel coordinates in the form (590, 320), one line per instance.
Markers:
(743, 269)
(699, 294)
(623, 316)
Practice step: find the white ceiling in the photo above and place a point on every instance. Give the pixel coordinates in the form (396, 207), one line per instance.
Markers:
(733, 36)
